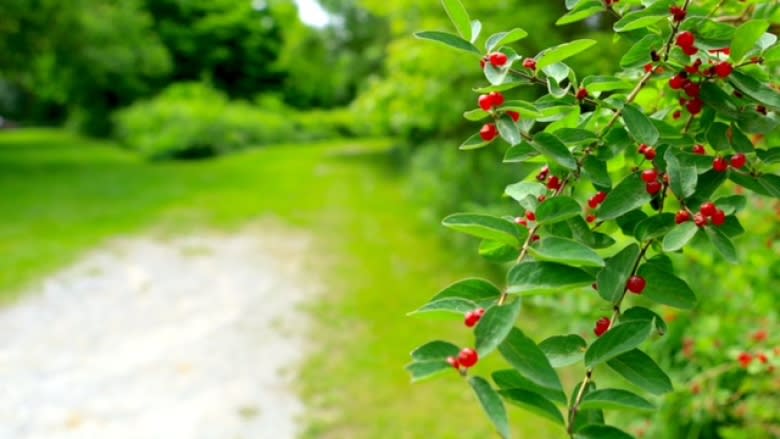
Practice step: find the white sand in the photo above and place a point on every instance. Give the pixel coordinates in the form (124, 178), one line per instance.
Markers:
(195, 337)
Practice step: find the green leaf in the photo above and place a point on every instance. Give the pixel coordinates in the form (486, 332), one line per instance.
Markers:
(637, 20)
(475, 115)
(679, 236)
(640, 313)
(682, 178)
(628, 195)
(639, 54)
(494, 326)
(556, 209)
(639, 125)
(613, 277)
(473, 142)
(474, 289)
(533, 277)
(723, 244)
(491, 404)
(566, 251)
(476, 29)
(708, 183)
(452, 305)
(552, 147)
(666, 288)
(534, 403)
(639, 369)
(526, 110)
(618, 340)
(459, 17)
(508, 130)
(583, 10)
(511, 379)
(520, 153)
(449, 40)
(526, 357)
(771, 183)
(487, 227)
(522, 190)
(654, 227)
(717, 136)
(497, 252)
(563, 350)
(755, 89)
(561, 52)
(746, 36)
(431, 359)
(601, 431)
(739, 141)
(501, 38)
(435, 350)
(596, 170)
(615, 399)
(605, 83)
(731, 204)
(769, 156)
(576, 136)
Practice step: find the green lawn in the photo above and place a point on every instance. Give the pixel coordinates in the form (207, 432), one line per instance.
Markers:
(62, 195)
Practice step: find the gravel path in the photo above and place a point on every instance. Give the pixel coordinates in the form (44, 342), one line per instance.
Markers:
(190, 338)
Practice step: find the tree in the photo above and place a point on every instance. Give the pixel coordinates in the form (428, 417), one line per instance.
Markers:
(629, 167)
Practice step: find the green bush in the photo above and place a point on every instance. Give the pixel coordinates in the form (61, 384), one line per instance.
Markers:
(192, 120)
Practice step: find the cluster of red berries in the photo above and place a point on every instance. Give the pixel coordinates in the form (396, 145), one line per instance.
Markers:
(553, 183)
(602, 326)
(652, 184)
(737, 161)
(647, 151)
(594, 202)
(687, 42)
(490, 101)
(746, 358)
(708, 213)
(467, 358)
(473, 317)
(496, 59)
(678, 13)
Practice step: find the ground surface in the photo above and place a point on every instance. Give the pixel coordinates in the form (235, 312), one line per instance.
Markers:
(160, 339)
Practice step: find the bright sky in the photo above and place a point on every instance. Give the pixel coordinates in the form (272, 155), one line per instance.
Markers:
(312, 13)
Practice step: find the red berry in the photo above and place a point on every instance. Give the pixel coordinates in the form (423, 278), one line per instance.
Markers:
(692, 89)
(591, 218)
(760, 336)
(682, 216)
(471, 319)
(649, 153)
(685, 39)
(514, 115)
(676, 115)
(699, 149)
(650, 175)
(694, 106)
(699, 220)
(488, 132)
(653, 187)
(521, 221)
(690, 50)
(738, 161)
(554, 184)
(531, 216)
(678, 13)
(600, 197)
(468, 357)
(677, 82)
(693, 68)
(724, 69)
(745, 359)
(762, 358)
(582, 93)
(602, 326)
(529, 63)
(719, 164)
(648, 68)
(498, 98)
(708, 209)
(485, 102)
(642, 148)
(636, 284)
(453, 362)
(718, 218)
(498, 59)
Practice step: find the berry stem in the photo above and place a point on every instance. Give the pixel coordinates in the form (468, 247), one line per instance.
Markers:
(575, 407)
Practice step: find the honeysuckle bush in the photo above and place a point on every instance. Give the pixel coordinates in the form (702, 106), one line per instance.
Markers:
(634, 168)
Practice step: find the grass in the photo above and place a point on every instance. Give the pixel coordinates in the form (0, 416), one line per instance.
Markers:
(63, 195)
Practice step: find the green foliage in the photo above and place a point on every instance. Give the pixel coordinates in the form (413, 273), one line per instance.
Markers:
(194, 120)
(628, 127)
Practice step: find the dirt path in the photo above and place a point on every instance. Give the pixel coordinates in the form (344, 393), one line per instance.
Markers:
(190, 338)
